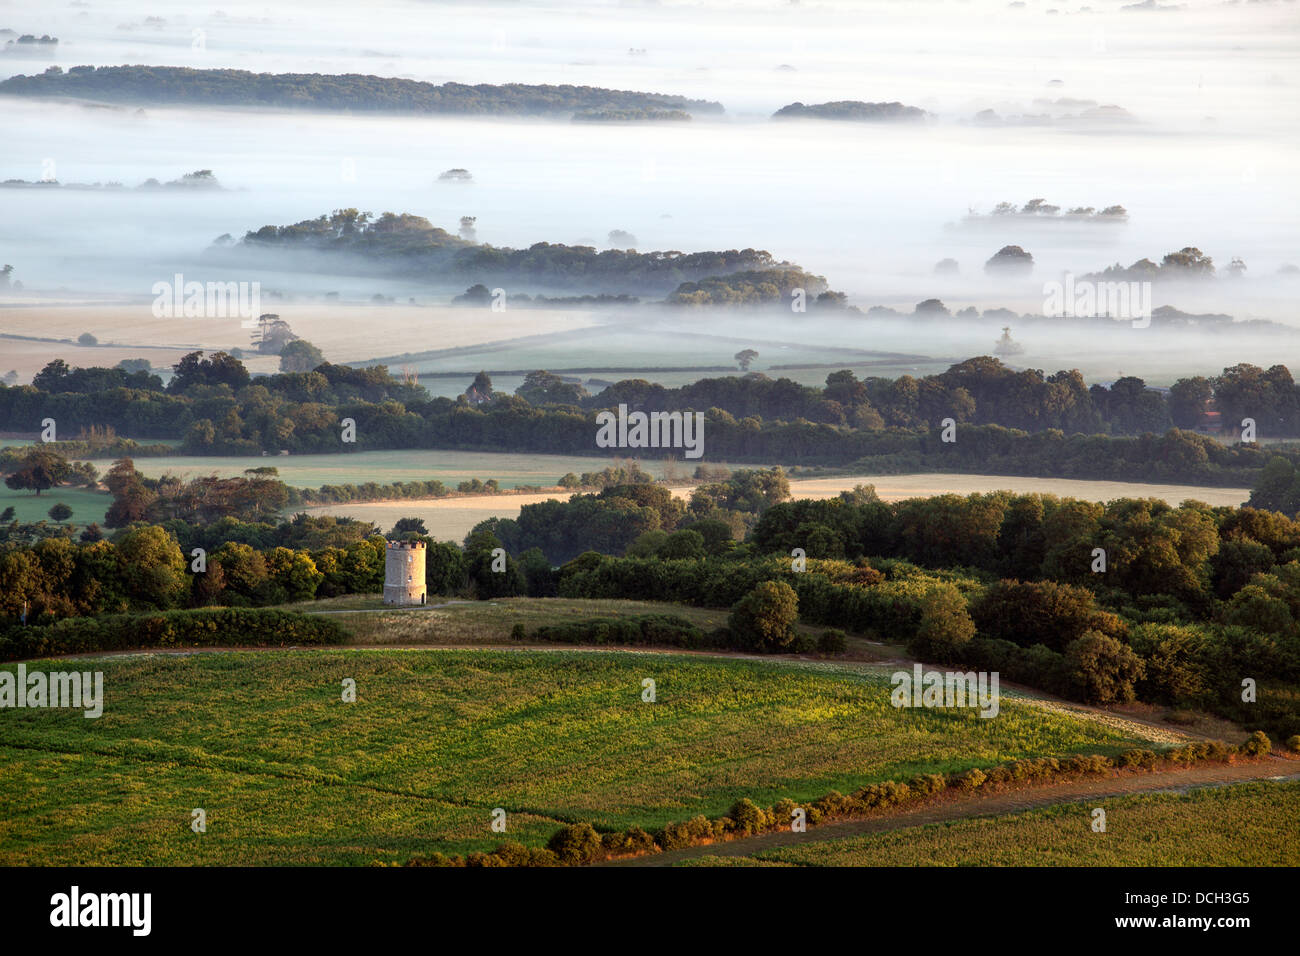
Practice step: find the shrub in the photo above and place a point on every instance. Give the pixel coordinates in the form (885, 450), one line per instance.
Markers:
(999, 775)
(1293, 743)
(1145, 759)
(513, 853)
(540, 856)
(764, 619)
(926, 784)
(631, 840)
(642, 629)
(749, 817)
(1033, 612)
(1258, 745)
(435, 859)
(677, 835)
(833, 641)
(575, 844)
(835, 804)
(972, 779)
(673, 836)
(201, 627)
(1102, 669)
(892, 792)
(946, 626)
(518, 632)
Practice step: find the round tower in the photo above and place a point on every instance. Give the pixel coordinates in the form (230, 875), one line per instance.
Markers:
(404, 573)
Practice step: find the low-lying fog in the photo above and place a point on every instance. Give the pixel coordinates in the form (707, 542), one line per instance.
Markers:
(1208, 159)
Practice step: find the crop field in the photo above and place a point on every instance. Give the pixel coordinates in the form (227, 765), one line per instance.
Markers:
(900, 487)
(288, 773)
(1248, 824)
(344, 332)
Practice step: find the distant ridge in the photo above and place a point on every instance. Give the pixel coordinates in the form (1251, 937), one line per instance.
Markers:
(172, 85)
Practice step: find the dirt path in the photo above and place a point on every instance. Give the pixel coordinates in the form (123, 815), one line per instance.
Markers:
(1272, 767)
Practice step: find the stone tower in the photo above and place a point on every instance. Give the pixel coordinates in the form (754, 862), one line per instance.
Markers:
(404, 573)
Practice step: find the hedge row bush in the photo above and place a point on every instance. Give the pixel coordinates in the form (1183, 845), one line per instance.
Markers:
(202, 627)
(578, 844)
(665, 630)
(833, 594)
(668, 630)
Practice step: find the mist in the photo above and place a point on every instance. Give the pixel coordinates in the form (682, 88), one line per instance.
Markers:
(1203, 156)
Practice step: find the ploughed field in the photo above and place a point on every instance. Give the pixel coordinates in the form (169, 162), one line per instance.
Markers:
(438, 738)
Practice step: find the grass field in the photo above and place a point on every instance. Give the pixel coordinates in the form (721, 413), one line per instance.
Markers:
(1248, 824)
(383, 467)
(438, 738)
(87, 506)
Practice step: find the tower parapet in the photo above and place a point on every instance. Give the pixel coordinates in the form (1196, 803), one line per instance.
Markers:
(404, 573)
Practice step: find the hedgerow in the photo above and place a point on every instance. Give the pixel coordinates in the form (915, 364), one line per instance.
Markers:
(202, 627)
(579, 844)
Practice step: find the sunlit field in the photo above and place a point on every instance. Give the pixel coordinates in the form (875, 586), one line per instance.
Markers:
(437, 739)
(1249, 824)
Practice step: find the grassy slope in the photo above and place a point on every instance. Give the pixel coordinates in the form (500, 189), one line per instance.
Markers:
(1250, 824)
(289, 774)
(87, 506)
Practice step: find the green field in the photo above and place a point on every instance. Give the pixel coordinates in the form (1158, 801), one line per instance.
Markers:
(657, 341)
(1249, 824)
(384, 467)
(438, 738)
(87, 506)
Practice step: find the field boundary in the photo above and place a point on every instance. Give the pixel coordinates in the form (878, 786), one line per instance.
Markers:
(953, 807)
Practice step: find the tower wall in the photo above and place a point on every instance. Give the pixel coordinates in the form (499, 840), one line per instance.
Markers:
(404, 573)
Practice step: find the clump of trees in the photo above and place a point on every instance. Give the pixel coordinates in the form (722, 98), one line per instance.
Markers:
(763, 287)
(853, 110)
(1187, 263)
(409, 245)
(1010, 260)
(39, 469)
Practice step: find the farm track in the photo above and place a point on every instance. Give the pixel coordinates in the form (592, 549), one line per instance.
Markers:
(955, 808)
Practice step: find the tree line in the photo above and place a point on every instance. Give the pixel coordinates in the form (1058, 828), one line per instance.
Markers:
(1003, 421)
(409, 245)
(317, 91)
